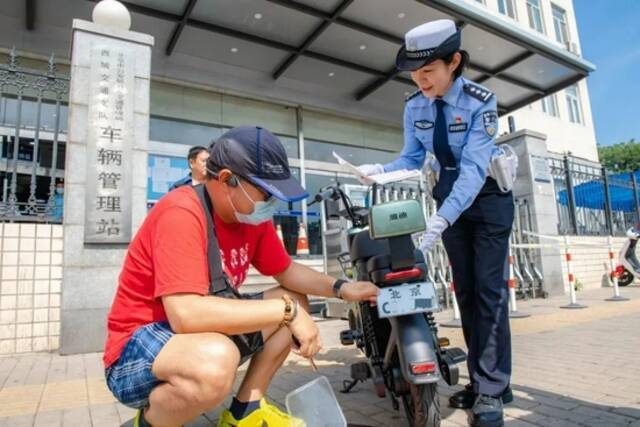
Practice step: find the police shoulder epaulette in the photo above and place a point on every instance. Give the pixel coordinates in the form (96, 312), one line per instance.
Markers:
(478, 92)
(413, 95)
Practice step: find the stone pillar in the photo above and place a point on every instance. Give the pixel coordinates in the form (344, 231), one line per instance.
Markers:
(535, 185)
(109, 135)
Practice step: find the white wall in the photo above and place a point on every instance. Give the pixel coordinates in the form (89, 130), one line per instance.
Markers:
(590, 260)
(30, 287)
(562, 135)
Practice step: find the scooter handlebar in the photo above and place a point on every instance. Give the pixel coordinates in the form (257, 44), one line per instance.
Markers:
(326, 194)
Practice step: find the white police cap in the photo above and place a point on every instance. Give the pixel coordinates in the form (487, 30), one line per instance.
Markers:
(426, 43)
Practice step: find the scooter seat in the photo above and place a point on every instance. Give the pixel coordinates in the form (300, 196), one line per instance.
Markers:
(383, 262)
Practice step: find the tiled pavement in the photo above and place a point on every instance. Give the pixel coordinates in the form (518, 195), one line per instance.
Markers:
(571, 367)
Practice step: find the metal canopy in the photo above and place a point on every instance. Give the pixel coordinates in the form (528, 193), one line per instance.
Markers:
(350, 45)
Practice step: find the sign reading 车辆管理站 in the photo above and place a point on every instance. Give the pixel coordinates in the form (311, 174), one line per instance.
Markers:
(110, 137)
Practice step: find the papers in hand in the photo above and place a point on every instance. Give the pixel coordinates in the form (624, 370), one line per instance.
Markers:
(381, 178)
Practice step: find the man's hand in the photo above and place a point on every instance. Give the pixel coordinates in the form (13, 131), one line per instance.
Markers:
(359, 291)
(306, 332)
(435, 227)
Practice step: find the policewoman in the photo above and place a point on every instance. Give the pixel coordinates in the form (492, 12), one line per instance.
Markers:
(456, 120)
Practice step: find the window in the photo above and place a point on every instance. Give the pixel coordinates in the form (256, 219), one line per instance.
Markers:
(191, 133)
(290, 145)
(507, 7)
(573, 104)
(550, 105)
(322, 151)
(28, 115)
(289, 216)
(181, 132)
(316, 180)
(560, 24)
(534, 11)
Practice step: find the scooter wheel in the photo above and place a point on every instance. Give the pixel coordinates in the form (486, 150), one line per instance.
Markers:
(626, 278)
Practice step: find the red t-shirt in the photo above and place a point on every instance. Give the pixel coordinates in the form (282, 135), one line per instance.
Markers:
(169, 255)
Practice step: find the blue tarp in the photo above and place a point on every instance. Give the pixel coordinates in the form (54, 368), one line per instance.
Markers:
(590, 194)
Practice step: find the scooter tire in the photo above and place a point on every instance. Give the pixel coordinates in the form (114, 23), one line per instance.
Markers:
(625, 279)
(422, 405)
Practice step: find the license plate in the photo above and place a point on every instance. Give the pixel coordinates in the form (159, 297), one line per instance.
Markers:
(408, 298)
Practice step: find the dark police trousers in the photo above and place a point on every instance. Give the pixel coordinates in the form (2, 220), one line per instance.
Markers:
(477, 245)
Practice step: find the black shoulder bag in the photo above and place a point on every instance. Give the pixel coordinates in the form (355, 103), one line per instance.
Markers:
(220, 286)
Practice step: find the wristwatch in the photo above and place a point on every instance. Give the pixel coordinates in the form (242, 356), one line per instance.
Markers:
(290, 310)
(336, 287)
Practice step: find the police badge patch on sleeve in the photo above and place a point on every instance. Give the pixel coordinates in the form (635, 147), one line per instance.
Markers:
(490, 120)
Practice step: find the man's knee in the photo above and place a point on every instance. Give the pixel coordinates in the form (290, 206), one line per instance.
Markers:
(212, 384)
(214, 364)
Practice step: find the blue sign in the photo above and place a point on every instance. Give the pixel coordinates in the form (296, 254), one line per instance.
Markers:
(163, 172)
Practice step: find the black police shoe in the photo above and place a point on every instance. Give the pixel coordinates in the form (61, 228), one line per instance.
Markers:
(487, 412)
(465, 399)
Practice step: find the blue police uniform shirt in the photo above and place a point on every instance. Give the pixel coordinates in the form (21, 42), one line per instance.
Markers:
(187, 180)
(471, 118)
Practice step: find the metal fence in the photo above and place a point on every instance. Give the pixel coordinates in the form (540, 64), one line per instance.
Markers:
(32, 150)
(592, 200)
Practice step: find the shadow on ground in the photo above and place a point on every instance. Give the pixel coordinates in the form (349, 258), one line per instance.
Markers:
(531, 407)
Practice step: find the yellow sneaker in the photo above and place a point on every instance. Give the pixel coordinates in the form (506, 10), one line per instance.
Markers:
(267, 415)
(139, 421)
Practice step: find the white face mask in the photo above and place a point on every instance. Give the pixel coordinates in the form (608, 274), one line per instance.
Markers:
(262, 211)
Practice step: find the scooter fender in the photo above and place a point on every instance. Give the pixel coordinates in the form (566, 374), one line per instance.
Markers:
(627, 256)
(416, 345)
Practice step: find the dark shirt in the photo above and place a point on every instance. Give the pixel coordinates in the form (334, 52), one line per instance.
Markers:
(187, 180)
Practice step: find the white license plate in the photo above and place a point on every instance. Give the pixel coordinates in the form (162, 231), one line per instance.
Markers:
(406, 299)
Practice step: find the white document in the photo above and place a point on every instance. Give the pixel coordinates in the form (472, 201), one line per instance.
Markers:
(381, 178)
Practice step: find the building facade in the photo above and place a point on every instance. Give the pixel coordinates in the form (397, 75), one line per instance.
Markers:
(565, 116)
(186, 112)
(227, 64)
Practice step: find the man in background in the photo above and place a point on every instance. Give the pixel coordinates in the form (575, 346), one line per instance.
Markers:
(197, 159)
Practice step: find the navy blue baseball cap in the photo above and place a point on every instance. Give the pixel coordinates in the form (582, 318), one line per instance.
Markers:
(258, 156)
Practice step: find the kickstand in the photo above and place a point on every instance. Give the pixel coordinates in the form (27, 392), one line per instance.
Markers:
(394, 402)
(348, 385)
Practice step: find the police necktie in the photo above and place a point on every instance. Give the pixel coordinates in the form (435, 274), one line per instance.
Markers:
(442, 150)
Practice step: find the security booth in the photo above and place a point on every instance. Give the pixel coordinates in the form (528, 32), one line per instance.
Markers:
(319, 74)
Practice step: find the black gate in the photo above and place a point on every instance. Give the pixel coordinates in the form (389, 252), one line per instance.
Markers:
(33, 120)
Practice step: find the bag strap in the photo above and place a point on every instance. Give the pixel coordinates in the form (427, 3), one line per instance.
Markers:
(217, 277)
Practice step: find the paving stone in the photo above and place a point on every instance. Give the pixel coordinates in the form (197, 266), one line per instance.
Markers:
(76, 417)
(563, 376)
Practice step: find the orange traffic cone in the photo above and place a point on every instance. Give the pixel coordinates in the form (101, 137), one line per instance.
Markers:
(279, 233)
(302, 248)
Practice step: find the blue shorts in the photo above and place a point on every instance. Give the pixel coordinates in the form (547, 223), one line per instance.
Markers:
(130, 379)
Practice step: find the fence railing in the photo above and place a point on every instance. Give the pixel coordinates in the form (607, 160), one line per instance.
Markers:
(32, 148)
(592, 200)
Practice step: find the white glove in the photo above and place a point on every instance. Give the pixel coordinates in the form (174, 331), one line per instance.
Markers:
(435, 227)
(369, 169)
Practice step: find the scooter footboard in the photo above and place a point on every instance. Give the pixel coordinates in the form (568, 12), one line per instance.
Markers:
(416, 349)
